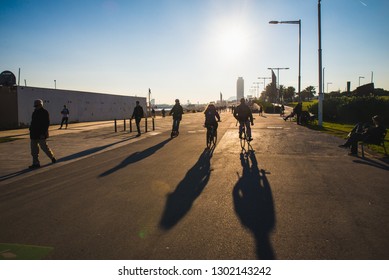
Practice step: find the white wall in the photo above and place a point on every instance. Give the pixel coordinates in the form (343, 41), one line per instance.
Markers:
(83, 106)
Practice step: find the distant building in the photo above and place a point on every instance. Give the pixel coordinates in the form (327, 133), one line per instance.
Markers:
(239, 89)
(17, 105)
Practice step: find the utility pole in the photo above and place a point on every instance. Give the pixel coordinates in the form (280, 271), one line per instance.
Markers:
(320, 109)
(264, 81)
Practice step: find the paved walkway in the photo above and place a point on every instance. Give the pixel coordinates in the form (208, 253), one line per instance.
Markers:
(76, 142)
(298, 196)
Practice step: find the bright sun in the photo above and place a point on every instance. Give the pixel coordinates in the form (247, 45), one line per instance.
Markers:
(233, 42)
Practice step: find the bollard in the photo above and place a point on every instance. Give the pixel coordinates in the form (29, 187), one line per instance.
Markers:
(116, 128)
(146, 124)
(153, 124)
(124, 124)
(130, 125)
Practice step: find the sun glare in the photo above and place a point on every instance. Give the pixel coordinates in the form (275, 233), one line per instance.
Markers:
(233, 42)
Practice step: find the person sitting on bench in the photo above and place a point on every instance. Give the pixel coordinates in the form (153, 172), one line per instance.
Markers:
(368, 134)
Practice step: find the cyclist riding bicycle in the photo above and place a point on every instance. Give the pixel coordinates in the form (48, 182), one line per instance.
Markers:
(211, 117)
(244, 115)
(177, 111)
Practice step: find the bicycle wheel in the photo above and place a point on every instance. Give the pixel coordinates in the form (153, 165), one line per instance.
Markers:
(243, 140)
(214, 137)
(208, 137)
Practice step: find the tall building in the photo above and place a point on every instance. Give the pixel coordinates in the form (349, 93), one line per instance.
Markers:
(239, 89)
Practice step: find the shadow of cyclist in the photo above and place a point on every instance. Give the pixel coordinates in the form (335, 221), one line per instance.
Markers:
(253, 204)
(179, 202)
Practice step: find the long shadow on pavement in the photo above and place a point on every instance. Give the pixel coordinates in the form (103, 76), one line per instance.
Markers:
(63, 159)
(91, 151)
(373, 163)
(137, 156)
(253, 202)
(179, 202)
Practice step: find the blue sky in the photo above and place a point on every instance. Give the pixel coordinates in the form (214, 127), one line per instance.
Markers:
(192, 49)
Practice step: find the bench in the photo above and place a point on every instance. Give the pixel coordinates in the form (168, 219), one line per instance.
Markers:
(306, 117)
(380, 142)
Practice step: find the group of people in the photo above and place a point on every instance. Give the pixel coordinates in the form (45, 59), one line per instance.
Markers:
(40, 121)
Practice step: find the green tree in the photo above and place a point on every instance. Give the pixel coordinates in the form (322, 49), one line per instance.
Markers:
(289, 94)
(308, 93)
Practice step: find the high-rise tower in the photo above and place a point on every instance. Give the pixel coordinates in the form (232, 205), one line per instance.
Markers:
(239, 89)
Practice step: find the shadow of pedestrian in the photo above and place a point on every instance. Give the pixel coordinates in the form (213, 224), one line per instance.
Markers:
(135, 157)
(179, 202)
(254, 206)
(373, 163)
(91, 151)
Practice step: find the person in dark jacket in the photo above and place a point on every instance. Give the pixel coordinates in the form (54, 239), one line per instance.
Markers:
(177, 111)
(65, 117)
(365, 133)
(39, 132)
(297, 110)
(211, 116)
(244, 116)
(137, 115)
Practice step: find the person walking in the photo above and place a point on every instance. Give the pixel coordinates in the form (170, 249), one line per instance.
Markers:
(65, 117)
(39, 132)
(137, 115)
(177, 111)
(260, 110)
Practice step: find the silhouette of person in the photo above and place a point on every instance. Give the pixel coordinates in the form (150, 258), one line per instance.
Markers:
(366, 133)
(39, 132)
(138, 115)
(65, 116)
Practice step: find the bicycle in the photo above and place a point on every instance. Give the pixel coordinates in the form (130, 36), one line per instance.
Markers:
(211, 136)
(174, 132)
(244, 141)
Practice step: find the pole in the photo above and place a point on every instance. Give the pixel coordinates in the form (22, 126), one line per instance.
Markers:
(320, 109)
(149, 101)
(19, 78)
(116, 128)
(264, 81)
(299, 80)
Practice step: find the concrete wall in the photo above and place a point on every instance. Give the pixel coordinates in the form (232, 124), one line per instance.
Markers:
(83, 106)
(8, 107)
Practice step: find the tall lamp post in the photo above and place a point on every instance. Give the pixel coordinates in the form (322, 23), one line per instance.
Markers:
(264, 81)
(299, 23)
(360, 77)
(320, 107)
(278, 77)
(329, 83)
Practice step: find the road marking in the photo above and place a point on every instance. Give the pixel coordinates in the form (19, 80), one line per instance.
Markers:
(275, 127)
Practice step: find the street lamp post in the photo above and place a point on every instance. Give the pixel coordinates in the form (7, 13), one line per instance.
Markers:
(299, 23)
(329, 83)
(360, 77)
(320, 107)
(278, 77)
(55, 84)
(257, 88)
(264, 81)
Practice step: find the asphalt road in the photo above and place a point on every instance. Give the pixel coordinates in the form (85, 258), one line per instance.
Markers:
(298, 196)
